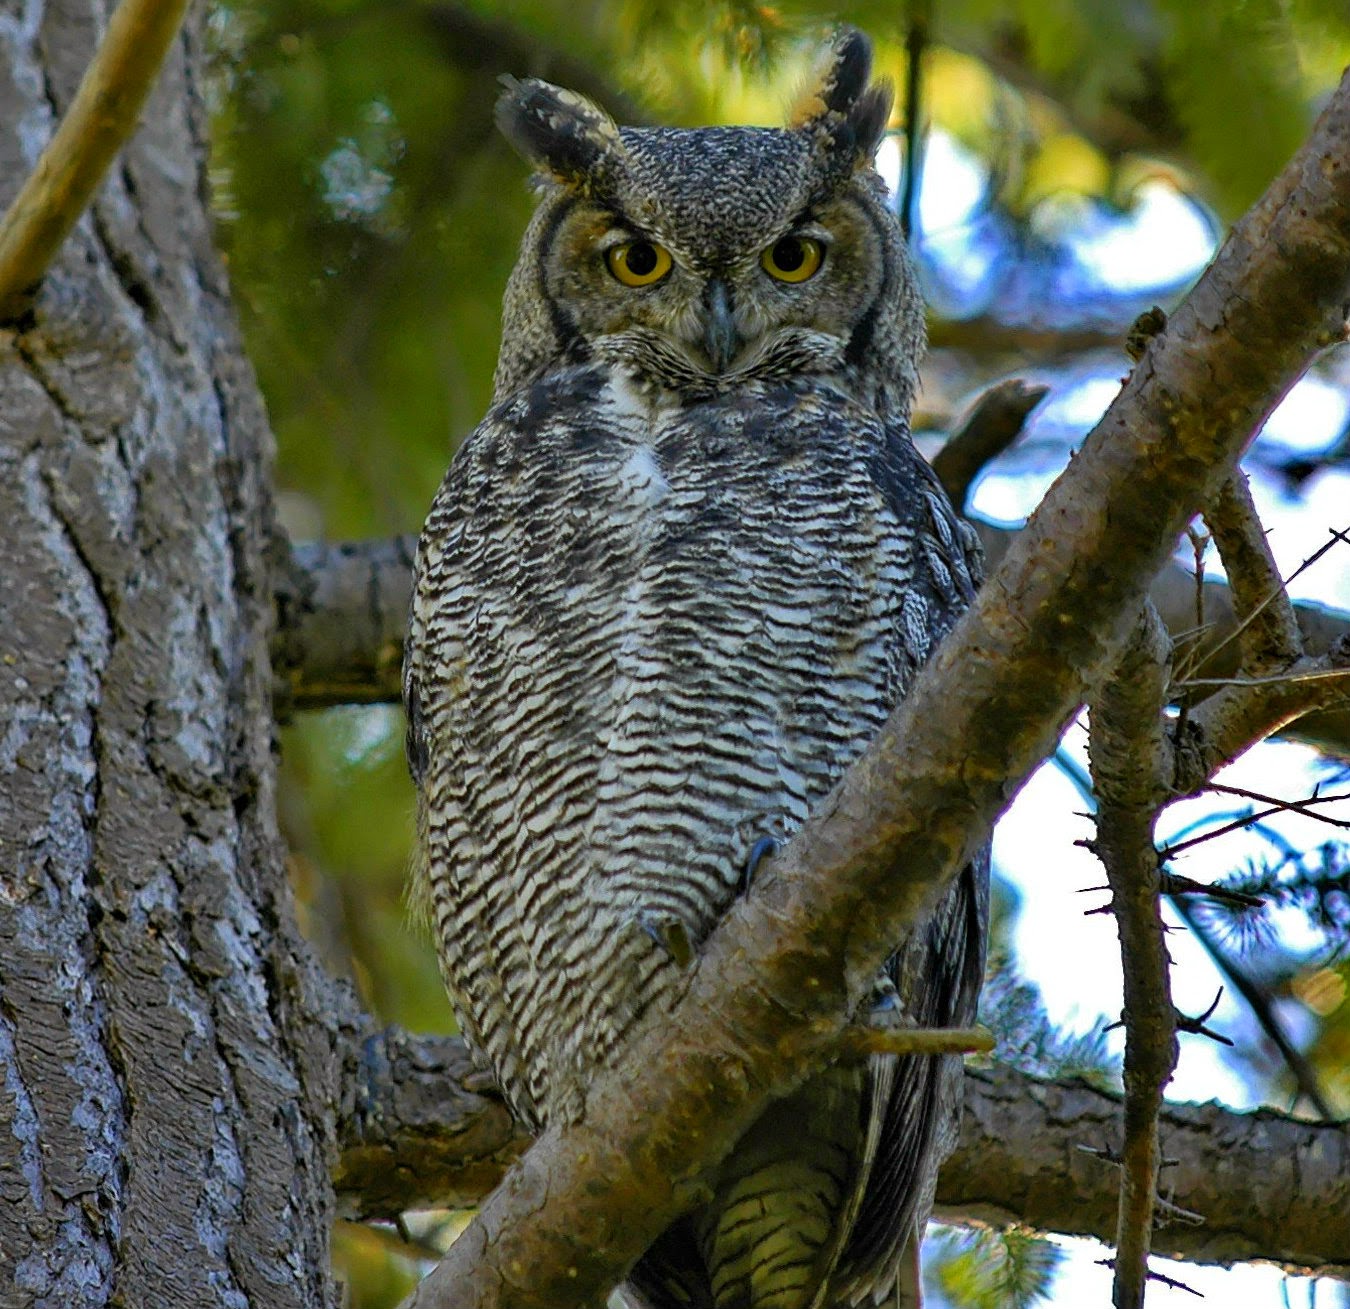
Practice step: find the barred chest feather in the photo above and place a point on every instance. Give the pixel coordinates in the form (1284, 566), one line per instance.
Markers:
(644, 635)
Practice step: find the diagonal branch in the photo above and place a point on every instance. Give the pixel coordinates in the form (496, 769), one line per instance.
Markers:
(776, 982)
(1243, 713)
(96, 126)
(1263, 1010)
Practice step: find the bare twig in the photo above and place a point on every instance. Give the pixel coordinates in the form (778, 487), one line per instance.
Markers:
(990, 427)
(1341, 537)
(1175, 884)
(1249, 710)
(99, 121)
(1198, 631)
(1259, 1003)
(1246, 820)
(863, 1042)
(1304, 807)
(1129, 759)
(1149, 1276)
(1194, 1025)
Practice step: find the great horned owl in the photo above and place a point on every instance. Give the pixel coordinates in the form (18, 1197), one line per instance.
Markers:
(670, 588)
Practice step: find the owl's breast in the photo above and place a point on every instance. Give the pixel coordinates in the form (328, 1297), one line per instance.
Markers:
(656, 632)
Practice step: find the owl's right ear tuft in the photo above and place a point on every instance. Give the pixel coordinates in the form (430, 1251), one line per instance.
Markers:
(844, 114)
(559, 132)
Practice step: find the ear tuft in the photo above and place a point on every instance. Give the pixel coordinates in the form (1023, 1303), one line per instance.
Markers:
(557, 131)
(839, 108)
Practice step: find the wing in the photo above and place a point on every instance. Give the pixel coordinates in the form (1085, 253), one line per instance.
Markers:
(836, 1209)
(916, 1102)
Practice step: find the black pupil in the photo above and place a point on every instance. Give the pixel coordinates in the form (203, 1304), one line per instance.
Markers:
(641, 258)
(789, 254)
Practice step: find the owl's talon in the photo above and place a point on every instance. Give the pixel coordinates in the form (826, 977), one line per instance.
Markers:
(670, 933)
(765, 848)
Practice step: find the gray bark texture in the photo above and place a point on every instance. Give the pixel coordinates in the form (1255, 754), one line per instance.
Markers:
(165, 1136)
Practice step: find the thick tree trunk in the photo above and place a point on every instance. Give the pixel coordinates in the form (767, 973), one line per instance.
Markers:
(164, 1131)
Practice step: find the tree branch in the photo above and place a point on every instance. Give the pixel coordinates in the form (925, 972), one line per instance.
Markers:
(992, 425)
(1244, 713)
(776, 982)
(1272, 1187)
(1259, 1002)
(343, 609)
(1128, 752)
(1268, 635)
(96, 126)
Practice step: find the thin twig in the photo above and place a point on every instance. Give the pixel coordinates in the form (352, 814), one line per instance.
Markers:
(1259, 1002)
(1251, 709)
(1175, 884)
(1246, 820)
(98, 123)
(1294, 806)
(1195, 1025)
(1186, 658)
(1162, 1279)
(1294, 675)
(1338, 537)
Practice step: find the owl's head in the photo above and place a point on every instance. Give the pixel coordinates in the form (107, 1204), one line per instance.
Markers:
(703, 258)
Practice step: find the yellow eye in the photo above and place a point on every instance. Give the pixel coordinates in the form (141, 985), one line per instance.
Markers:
(638, 263)
(792, 258)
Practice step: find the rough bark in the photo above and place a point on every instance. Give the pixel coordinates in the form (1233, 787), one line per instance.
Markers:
(1269, 1186)
(164, 1137)
(777, 979)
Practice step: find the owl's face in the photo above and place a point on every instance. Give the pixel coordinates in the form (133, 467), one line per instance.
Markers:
(703, 258)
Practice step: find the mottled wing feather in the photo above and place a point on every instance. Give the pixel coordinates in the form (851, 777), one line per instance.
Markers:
(917, 1102)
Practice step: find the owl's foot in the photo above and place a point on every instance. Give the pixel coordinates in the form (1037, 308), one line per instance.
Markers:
(669, 932)
(765, 848)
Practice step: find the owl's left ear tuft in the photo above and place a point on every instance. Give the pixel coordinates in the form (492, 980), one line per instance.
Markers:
(839, 108)
(557, 131)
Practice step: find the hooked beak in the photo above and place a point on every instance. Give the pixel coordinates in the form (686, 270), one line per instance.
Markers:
(720, 338)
